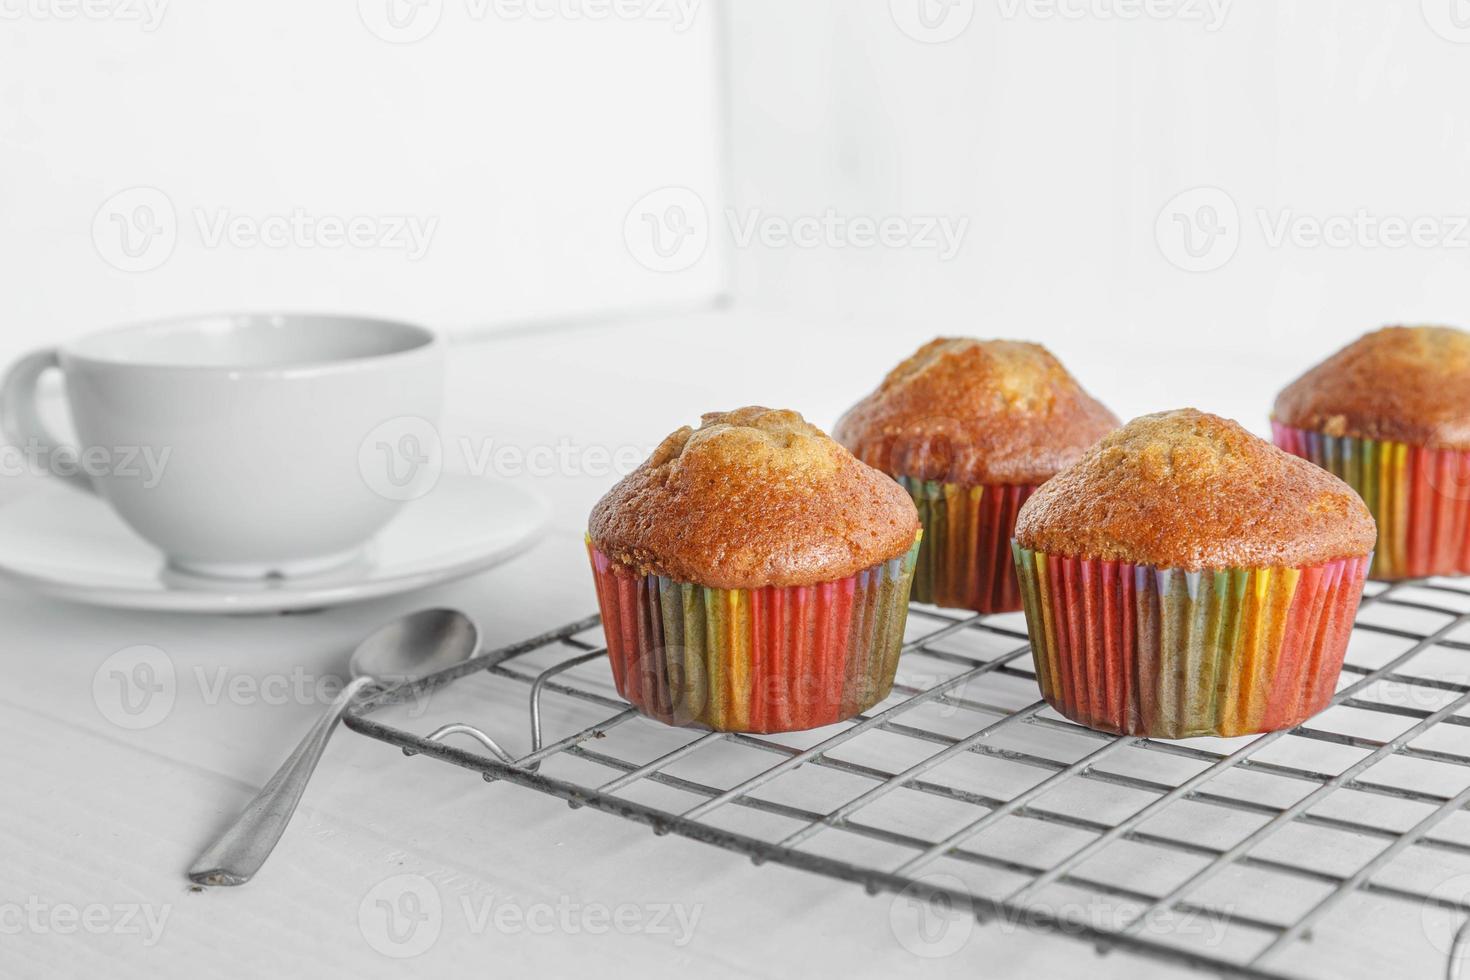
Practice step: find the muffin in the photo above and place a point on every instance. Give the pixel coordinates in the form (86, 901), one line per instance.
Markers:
(753, 576)
(1187, 578)
(1390, 415)
(970, 428)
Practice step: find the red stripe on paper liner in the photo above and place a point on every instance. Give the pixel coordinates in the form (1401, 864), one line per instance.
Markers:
(1166, 653)
(965, 558)
(754, 660)
(1419, 496)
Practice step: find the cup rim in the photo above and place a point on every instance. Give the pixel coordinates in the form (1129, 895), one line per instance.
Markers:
(427, 339)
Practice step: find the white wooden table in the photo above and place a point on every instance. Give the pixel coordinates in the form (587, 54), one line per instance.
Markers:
(99, 820)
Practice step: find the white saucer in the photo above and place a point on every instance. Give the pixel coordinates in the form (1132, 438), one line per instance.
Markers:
(70, 545)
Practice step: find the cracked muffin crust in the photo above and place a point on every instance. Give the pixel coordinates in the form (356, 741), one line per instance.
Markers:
(753, 498)
(1190, 490)
(1402, 384)
(968, 411)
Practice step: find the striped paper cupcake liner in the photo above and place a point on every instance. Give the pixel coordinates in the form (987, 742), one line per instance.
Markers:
(1419, 496)
(1165, 653)
(965, 557)
(754, 660)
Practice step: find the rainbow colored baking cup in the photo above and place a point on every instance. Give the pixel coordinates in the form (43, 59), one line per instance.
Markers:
(1419, 496)
(754, 660)
(1165, 653)
(965, 556)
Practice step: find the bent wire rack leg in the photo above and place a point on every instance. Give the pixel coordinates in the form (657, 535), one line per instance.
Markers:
(1019, 903)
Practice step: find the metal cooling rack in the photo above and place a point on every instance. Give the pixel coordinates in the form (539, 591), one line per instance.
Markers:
(1338, 848)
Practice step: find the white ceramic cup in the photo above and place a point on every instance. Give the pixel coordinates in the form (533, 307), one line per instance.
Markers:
(242, 445)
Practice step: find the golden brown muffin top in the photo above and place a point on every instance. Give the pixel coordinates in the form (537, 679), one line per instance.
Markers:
(752, 498)
(1402, 384)
(975, 411)
(1186, 489)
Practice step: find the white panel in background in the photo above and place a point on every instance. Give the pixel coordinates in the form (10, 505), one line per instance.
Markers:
(460, 162)
(1079, 140)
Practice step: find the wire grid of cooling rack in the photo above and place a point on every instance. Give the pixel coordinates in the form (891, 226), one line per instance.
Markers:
(1338, 848)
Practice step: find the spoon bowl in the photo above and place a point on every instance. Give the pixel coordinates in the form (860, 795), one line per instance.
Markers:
(415, 646)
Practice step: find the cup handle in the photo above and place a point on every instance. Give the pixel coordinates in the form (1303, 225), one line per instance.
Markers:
(22, 422)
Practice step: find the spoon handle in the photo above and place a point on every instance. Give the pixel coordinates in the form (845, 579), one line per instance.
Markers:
(240, 851)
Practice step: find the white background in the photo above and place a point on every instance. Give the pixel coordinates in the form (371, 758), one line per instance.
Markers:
(524, 140)
(1056, 135)
(1119, 172)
